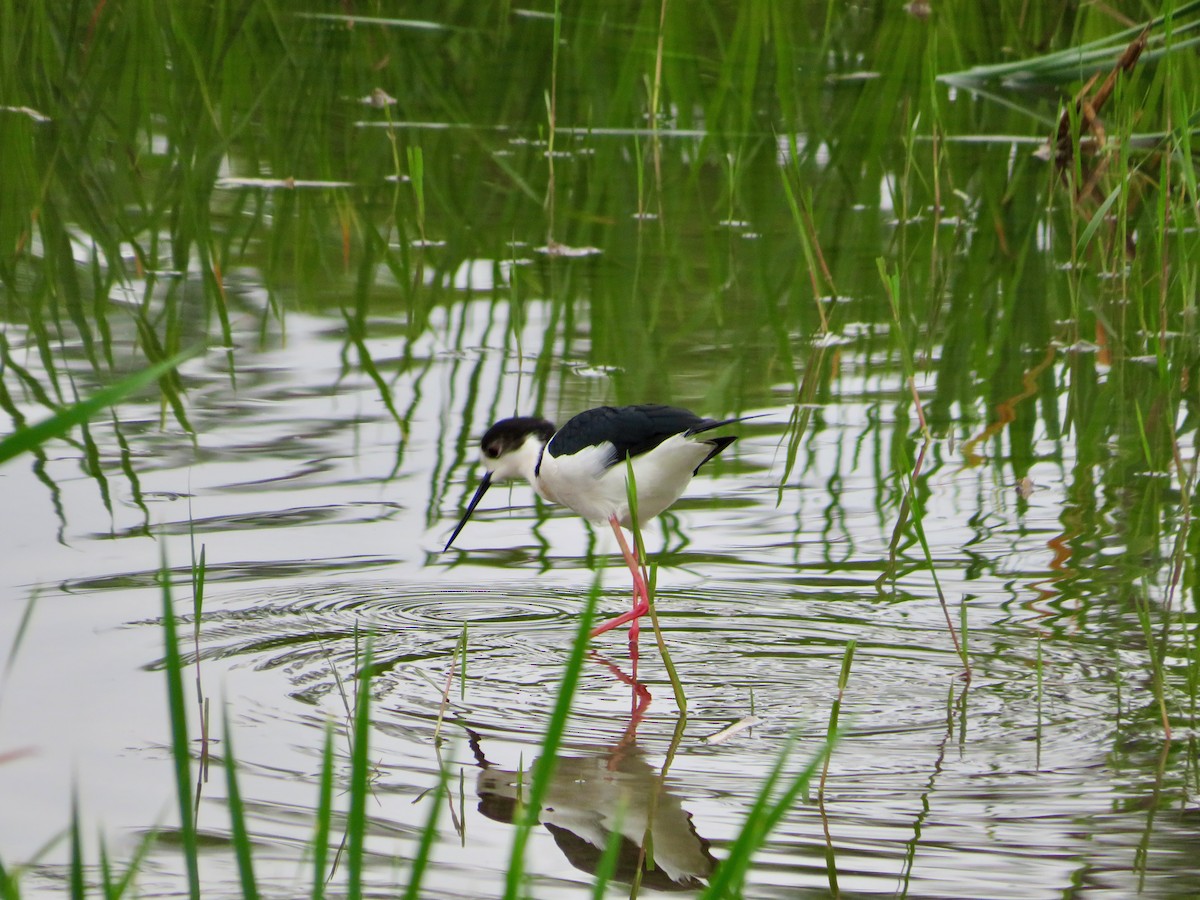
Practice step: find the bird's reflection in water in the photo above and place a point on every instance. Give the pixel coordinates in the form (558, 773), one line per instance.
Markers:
(592, 796)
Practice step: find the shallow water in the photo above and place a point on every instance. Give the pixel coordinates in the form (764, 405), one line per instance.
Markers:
(938, 789)
(324, 477)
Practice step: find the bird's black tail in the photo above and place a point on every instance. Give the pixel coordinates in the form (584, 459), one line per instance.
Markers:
(718, 443)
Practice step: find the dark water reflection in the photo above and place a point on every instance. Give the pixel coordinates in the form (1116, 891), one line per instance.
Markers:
(358, 354)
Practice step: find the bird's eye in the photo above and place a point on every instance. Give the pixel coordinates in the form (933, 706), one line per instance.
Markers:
(492, 451)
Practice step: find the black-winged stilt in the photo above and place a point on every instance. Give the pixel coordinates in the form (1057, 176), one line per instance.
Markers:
(582, 466)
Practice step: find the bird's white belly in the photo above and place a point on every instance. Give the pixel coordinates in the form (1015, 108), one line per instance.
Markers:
(583, 483)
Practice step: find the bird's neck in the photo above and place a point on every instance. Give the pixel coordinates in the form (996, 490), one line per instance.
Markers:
(521, 462)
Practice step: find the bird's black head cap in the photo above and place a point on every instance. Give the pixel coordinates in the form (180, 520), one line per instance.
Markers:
(509, 434)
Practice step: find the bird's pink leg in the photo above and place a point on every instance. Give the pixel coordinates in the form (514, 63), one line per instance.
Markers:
(641, 596)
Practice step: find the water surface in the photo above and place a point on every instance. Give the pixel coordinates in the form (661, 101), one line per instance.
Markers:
(333, 448)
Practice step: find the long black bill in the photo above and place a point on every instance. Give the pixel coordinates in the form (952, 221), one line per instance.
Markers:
(479, 492)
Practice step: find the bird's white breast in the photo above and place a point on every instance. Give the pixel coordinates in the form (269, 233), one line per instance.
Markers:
(587, 483)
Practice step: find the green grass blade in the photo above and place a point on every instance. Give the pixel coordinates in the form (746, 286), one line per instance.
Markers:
(356, 820)
(797, 786)
(9, 887)
(1085, 59)
(608, 859)
(173, 667)
(25, 439)
(237, 820)
(843, 680)
(115, 888)
(831, 732)
(78, 889)
(425, 847)
(357, 337)
(416, 174)
(751, 833)
(107, 884)
(18, 639)
(462, 665)
(320, 842)
(543, 769)
(1100, 217)
(650, 579)
(762, 818)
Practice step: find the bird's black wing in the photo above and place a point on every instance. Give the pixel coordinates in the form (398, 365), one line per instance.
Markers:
(632, 430)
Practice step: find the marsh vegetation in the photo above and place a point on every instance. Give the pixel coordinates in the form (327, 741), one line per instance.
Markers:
(266, 274)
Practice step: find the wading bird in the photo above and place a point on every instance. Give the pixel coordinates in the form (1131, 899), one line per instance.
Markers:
(583, 466)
